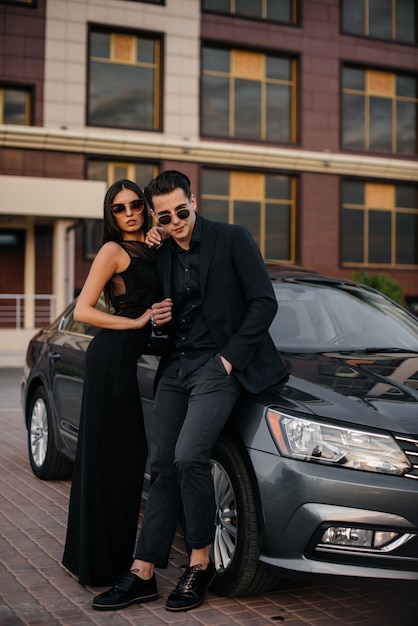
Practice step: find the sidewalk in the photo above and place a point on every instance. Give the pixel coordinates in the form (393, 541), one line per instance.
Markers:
(35, 590)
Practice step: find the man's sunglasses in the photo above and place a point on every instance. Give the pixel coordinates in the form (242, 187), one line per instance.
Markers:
(136, 205)
(166, 218)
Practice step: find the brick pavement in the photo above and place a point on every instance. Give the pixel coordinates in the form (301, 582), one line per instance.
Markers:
(36, 590)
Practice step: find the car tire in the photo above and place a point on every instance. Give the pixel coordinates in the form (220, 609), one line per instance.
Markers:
(236, 548)
(45, 460)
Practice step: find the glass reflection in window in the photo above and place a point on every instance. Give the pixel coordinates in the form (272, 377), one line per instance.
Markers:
(263, 203)
(248, 95)
(123, 89)
(379, 224)
(379, 111)
(390, 20)
(15, 106)
(270, 10)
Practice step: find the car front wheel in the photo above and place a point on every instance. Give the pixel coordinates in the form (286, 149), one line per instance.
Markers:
(45, 460)
(236, 548)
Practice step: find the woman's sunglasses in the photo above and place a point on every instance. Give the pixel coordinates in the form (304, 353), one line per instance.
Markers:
(136, 205)
(166, 218)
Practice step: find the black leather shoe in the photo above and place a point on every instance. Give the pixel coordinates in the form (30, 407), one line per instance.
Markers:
(129, 589)
(191, 588)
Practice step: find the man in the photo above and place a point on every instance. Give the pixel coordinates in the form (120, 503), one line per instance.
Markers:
(219, 304)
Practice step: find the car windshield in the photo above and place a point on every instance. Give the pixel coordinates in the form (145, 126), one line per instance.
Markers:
(322, 316)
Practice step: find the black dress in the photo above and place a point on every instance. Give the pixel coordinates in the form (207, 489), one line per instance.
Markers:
(112, 448)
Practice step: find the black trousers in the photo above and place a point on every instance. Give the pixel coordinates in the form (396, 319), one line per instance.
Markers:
(189, 414)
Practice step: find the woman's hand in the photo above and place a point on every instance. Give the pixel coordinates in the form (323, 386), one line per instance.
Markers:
(142, 320)
(155, 236)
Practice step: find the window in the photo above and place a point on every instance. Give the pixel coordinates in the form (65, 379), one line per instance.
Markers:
(110, 171)
(248, 95)
(15, 106)
(393, 20)
(9, 239)
(379, 111)
(270, 10)
(124, 80)
(379, 224)
(263, 203)
(20, 2)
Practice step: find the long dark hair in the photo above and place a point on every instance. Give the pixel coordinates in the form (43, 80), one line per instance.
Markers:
(111, 231)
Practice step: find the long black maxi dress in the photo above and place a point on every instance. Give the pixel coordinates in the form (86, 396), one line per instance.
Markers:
(112, 448)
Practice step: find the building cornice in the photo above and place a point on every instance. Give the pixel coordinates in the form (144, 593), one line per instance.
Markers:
(149, 146)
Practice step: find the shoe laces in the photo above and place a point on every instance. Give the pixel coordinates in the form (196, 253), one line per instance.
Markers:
(186, 581)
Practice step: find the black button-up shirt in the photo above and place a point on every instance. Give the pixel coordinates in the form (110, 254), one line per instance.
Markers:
(193, 343)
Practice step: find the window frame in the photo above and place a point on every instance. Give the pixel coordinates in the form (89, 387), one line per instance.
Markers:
(366, 34)
(156, 2)
(291, 202)
(292, 83)
(158, 38)
(367, 94)
(30, 4)
(295, 11)
(28, 90)
(367, 208)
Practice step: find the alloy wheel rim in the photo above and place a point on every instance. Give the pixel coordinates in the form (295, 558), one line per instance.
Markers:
(226, 520)
(39, 432)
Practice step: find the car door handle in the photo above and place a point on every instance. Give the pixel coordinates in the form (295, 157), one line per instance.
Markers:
(54, 356)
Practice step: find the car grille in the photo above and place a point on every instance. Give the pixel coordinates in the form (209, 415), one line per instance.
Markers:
(410, 447)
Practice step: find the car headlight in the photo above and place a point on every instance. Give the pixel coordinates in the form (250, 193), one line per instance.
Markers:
(311, 440)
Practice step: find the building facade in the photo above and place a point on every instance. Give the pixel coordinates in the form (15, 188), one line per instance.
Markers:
(295, 118)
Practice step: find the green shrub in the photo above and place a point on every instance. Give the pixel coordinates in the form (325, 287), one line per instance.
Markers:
(383, 283)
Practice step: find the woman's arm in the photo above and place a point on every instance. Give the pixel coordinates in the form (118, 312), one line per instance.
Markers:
(111, 259)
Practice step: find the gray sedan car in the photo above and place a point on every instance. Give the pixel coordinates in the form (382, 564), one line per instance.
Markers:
(320, 477)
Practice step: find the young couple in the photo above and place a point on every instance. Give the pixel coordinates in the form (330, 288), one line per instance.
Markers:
(216, 304)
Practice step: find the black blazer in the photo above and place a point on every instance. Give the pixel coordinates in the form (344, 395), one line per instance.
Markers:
(238, 303)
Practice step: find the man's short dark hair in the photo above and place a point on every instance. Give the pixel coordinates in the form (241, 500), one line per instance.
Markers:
(166, 182)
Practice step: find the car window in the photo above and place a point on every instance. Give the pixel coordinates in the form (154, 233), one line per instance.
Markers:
(81, 328)
(69, 324)
(339, 316)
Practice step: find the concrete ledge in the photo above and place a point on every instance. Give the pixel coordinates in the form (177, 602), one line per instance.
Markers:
(12, 359)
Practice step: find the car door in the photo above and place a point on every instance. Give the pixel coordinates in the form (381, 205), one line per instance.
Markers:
(147, 367)
(66, 367)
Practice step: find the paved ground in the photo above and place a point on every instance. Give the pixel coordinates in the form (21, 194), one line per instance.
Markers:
(36, 590)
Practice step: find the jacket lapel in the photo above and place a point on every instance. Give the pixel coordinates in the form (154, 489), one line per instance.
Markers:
(207, 246)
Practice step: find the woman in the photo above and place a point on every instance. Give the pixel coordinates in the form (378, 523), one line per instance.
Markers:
(112, 449)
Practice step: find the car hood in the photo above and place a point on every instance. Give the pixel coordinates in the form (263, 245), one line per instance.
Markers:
(378, 390)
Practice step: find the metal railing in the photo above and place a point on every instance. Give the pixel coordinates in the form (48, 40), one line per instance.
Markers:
(23, 310)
